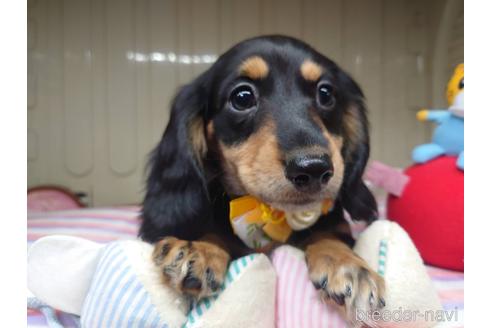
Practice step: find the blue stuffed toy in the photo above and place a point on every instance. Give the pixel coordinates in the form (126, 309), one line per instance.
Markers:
(448, 137)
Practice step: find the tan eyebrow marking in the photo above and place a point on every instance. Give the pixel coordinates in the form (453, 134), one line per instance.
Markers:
(254, 67)
(310, 70)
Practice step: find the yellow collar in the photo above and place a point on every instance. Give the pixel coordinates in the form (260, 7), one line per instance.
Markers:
(257, 223)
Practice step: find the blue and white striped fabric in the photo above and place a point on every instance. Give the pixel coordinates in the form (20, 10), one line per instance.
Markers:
(236, 268)
(116, 297)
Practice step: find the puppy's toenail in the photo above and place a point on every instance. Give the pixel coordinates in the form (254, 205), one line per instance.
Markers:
(209, 275)
(348, 291)
(321, 284)
(165, 249)
(371, 298)
(339, 299)
(214, 285)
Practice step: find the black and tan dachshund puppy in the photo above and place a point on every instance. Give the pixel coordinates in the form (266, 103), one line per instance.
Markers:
(275, 119)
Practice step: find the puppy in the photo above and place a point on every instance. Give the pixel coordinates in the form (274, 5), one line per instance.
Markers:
(275, 119)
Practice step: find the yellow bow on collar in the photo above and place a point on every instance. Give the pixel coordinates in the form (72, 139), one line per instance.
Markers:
(256, 223)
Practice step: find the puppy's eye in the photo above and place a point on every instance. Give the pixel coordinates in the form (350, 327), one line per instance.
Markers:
(461, 85)
(243, 98)
(325, 95)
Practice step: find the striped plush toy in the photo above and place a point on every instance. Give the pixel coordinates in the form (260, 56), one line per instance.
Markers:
(117, 285)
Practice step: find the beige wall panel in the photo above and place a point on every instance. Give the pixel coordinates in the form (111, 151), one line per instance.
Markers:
(239, 20)
(104, 179)
(78, 112)
(268, 17)
(322, 26)
(227, 19)
(205, 27)
(121, 86)
(32, 27)
(50, 122)
(394, 80)
(34, 15)
(32, 145)
(417, 73)
(450, 12)
(184, 44)
(362, 57)
(51, 96)
(102, 74)
(282, 17)
(163, 72)
(246, 19)
(144, 91)
(32, 84)
(456, 42)
(288, 17)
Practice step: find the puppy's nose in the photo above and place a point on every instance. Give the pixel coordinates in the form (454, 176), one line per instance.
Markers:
(309, 173)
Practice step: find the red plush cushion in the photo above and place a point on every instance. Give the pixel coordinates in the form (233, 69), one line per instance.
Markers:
(431, 210)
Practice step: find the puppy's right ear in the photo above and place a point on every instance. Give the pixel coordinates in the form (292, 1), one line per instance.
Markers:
(356, 198)
(177, 201)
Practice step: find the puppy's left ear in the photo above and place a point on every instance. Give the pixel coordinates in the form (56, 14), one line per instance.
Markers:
(356, 198)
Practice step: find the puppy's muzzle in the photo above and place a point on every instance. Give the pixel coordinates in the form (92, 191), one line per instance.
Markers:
(309, 173)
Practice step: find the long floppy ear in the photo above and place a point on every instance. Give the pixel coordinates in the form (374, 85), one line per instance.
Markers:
(177, 201)
(356, 198)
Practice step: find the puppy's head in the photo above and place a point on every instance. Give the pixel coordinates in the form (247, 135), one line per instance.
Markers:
(272, 118)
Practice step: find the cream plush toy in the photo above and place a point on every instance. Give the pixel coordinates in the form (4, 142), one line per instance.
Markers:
(118, 285)
(388, 249)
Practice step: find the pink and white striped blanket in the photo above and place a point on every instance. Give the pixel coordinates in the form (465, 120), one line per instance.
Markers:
(297, 304)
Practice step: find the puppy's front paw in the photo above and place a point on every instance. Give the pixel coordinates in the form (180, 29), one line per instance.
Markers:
(195, 269)
(344, 278)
